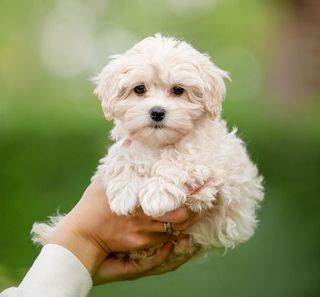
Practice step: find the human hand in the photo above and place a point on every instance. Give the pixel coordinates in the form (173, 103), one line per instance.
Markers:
(91, 231)
(115, 269)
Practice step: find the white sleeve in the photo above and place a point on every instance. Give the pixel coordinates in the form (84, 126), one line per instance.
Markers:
(55, 273)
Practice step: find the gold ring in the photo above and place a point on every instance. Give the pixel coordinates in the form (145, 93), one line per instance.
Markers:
(168, 228)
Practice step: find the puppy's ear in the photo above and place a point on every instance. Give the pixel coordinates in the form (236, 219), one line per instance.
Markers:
(107, 85)
(214, 86)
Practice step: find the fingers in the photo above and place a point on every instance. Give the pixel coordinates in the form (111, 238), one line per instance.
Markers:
(158, 258)
(177, 216)
(155, 239)
(115, 269)
(185, 225)
(169, 266)
(156, 226)
(181, 219)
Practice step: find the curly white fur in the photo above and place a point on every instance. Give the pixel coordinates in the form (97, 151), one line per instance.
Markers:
(150, 165)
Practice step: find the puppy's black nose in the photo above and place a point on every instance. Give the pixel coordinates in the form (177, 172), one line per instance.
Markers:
(157, 113)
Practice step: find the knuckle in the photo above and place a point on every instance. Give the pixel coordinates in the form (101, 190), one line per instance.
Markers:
(180, 215)
(141, 241)
(137, 224)
(184, 214)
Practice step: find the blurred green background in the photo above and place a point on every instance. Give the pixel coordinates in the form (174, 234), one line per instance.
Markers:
(52, 130)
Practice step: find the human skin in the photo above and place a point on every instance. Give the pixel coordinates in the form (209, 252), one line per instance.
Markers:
(92, 232)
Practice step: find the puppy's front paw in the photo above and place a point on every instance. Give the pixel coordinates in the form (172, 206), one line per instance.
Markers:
(123, 198)
(159, 196)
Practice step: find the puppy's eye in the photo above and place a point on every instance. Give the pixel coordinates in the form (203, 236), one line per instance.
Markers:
(140, 90)
(176, 90)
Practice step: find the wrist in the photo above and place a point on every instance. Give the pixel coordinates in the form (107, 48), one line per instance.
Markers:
(82, 246)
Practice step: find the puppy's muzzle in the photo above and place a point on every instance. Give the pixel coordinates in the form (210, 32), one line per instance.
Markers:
(157, 113)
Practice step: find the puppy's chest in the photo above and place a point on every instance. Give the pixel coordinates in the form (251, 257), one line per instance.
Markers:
(143, 163)
(165, 162)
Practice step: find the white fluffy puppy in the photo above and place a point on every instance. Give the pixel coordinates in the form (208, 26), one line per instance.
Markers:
(165, 98)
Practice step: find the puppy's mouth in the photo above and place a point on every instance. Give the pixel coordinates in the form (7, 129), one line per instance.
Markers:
(160, 126)
(157, 126)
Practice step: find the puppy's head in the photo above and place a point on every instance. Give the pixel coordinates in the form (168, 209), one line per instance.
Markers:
(159, 89)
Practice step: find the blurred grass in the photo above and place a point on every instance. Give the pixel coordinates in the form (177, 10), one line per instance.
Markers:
(52, 133)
